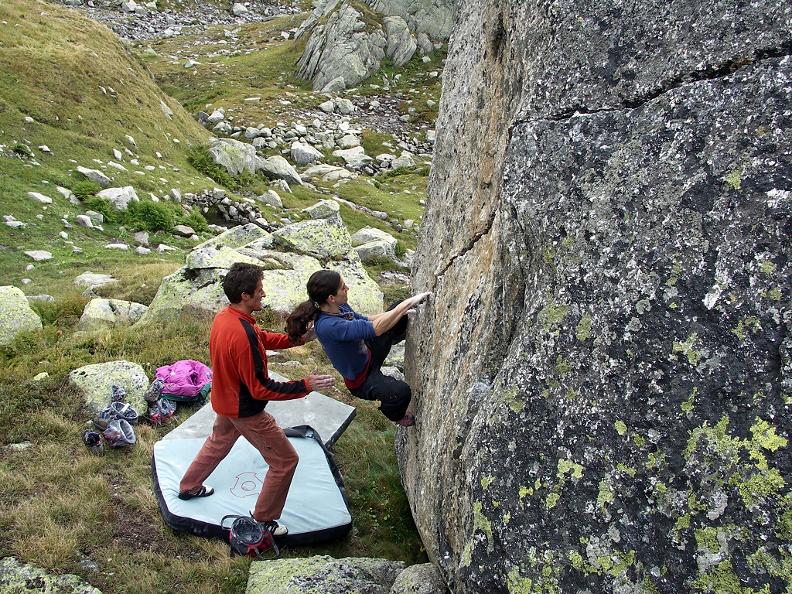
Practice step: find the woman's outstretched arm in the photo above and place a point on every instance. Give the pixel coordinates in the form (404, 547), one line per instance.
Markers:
(387, 320)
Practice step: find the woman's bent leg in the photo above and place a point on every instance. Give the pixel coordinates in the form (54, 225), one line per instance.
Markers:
(394, 395)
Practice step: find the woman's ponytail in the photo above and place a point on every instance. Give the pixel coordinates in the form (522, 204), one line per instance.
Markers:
(297, 322)
(321, 285)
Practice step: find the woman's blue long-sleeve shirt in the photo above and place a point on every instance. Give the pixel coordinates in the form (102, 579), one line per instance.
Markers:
(343, 338)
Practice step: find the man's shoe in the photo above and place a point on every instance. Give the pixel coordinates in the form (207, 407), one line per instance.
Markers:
(275, 529)
(202, 491)
(407, 420)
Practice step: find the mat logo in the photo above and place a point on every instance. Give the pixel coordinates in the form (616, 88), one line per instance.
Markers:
(248, 484)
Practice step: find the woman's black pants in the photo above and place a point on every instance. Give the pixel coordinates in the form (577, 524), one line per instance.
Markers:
(394, 395)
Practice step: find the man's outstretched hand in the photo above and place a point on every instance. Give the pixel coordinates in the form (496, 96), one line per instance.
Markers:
(321, 382)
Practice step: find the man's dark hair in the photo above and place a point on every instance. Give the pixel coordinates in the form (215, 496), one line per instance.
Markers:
(242, 278)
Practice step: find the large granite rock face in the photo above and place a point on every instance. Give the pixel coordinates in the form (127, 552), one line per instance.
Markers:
(602, 379)
(15, 315)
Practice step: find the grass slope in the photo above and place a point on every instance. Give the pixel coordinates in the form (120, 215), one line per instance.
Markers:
(61, 508)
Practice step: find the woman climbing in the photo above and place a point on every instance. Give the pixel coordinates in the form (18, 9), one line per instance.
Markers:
(357, 345)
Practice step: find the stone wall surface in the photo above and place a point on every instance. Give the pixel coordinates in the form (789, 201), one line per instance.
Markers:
(603, 377)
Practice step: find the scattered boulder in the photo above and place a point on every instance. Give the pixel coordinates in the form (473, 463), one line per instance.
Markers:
(234, 155)
(324, 209)
(375, 251)
(329, 173)
(404, 160)
(119, 197)
(271, 198)
(40, 198)
(355, 157)
(401, 44)
(15, 314)
(92, 279)
(39, 255)
(304, 154)
(424, 578)
(323, 574)
(94, 383)
(368, 234)
(103, 313)
(276, 167)
(184, 230)
(95, 176)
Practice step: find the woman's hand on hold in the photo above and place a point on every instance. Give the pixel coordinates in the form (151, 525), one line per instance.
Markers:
(419, 298)
(321, 382)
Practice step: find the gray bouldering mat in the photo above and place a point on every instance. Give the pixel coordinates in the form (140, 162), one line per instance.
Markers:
(315, 510)
(328, 417)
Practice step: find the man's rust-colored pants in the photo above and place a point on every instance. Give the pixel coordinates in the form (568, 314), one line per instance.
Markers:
(263, 434)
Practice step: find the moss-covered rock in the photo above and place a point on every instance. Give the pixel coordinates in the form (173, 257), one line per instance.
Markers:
(319, 238)
(103, 313)
(323, 575)
(15, 314)
(95, 382)
(16, 577)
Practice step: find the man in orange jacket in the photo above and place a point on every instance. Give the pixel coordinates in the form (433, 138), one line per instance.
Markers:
(241, 388)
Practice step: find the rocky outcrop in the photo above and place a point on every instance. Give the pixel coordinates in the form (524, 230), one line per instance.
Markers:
(435, 18)
(15, 315)
(602, 378)
(196, 289)
(343, 51)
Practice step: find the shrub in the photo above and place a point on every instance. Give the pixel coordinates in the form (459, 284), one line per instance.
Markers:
(85, 189)
(400, 250)
(22, 150)
(195, 219)
(150, 216)
(102, 206)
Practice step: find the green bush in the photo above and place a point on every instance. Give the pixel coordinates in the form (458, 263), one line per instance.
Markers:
(150, 216)
(400, 250)
(102, 206)
(22, 150)
(195, 219)
(85, 189)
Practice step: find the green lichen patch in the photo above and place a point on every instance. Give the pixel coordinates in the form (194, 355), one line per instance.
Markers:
(748, 323)
(583, 329)
(621, 427)
(686, 349)
(568, 467)
(482, 524)
(734, 179)
(551, 315)
(764, 436)
(604, 495)
(486, 481)
(688, 405)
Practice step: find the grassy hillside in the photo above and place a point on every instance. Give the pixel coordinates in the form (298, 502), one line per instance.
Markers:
(70, 84)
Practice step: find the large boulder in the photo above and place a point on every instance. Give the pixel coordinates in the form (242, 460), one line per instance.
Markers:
(365, 296)
(329, 173)
(119, 198)
(355, 157)
(345, 47)
(197, 293)
(602, 376)
(323, 575)
(213, 257)
(235, 237)
(401, 44)
(276, 167)
(319, 238)
(234, 155)
(103, 313)
(367, 234)
(304, 154)
(95, 383)
(21, 577)
(15, 315)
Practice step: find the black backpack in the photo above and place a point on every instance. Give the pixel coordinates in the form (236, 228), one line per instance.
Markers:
(248, 537)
